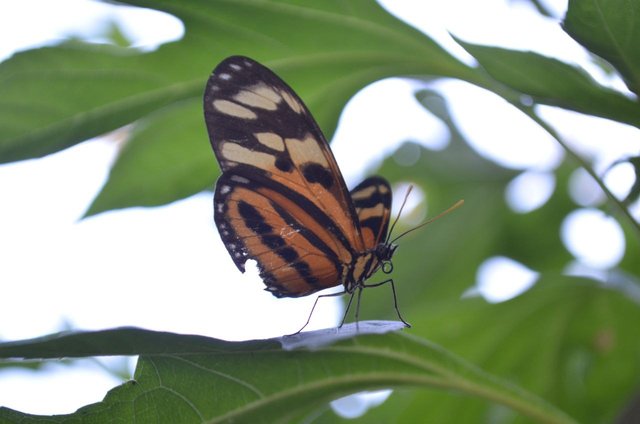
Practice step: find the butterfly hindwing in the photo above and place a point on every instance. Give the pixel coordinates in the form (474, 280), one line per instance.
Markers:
(292, 259)
(372, 200)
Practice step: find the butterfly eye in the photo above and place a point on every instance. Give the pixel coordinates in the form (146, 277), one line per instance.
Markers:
(387, 267)
(384, 252)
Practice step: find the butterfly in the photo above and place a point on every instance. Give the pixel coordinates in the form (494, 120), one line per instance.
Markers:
(281, 199)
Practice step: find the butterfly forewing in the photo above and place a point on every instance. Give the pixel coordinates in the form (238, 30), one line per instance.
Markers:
(259, 126)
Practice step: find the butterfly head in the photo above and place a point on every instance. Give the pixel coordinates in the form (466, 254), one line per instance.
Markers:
(384, 253)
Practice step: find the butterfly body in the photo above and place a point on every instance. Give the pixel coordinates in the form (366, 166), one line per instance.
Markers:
(281, 199)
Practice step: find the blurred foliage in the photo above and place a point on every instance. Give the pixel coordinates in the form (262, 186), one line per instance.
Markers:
(573, 342)
(609, 29)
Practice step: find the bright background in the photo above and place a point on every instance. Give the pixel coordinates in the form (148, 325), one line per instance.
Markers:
(118, 257)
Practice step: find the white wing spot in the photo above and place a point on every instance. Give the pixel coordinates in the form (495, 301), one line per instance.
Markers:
(271, 140)
(235, 66)
(224, 76)
(267, 92)
(254, 99)
(307, 150)
(236, 153)
(374, 211)
(364, 194)
(234, 109)
(239, 179)
(292, 102)
(288, 233)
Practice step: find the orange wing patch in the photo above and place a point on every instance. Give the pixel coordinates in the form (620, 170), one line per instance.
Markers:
(292, 257)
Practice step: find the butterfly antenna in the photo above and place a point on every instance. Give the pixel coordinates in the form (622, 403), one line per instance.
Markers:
(406, 196)
(440, 215)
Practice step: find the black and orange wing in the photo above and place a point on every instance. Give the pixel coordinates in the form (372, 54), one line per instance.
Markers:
(372, 201)
(281, 199)
(256, 221)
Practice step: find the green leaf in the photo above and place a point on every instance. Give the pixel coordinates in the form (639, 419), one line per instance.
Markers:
(552, 82)
(195, 379)
(53, 98)
(634, 192)
(566, 339)
(143, 176)
(610, 29)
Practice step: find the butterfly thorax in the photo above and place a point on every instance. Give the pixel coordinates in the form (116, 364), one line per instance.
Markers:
(365, 264)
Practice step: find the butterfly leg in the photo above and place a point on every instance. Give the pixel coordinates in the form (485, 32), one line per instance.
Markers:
(346, 311)
(314, 307)
(395, 298)
(358, 307)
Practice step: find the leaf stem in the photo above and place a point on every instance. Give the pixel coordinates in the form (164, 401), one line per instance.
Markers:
(483, 80)
(622, 209)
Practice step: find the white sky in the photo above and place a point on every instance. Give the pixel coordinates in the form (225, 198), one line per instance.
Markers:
(158, 268)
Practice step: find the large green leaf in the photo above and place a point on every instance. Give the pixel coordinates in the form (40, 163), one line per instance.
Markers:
(550, 81)
(610, 29)
(55, 97)
(52, 98)
(194, 379)
(566, 339)
(143, 174)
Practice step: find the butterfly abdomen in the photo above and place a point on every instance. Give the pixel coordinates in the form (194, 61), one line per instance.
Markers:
(361, 268)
